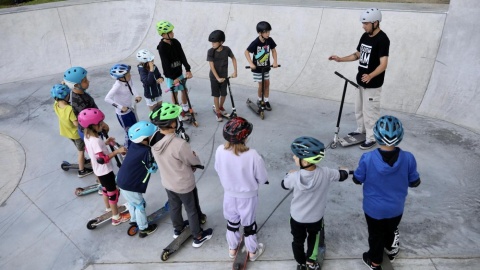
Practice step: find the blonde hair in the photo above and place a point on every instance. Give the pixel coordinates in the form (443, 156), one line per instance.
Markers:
(237, 148)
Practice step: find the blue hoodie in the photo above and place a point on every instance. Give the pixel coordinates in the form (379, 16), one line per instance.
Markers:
(385, 187)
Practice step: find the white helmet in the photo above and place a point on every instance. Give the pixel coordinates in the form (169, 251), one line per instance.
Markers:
(371, 15)
(144, 56)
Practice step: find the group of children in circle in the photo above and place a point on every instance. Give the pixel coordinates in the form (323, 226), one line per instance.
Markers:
(154, 145)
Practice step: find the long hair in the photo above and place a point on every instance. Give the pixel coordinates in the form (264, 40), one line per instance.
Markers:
(237, 148)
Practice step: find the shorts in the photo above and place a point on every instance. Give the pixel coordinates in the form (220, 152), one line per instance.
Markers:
(218, 89)
(257, 77)
(153, 101)
(108, 181)
(169, 83)
(79, 144)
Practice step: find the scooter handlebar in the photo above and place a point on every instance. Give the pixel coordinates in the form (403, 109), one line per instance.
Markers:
(248, 67)
(343, 77)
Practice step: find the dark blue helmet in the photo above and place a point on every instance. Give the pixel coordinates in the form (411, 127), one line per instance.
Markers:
(388, 130)
(59, 91)
(263, 26)
(308, 149)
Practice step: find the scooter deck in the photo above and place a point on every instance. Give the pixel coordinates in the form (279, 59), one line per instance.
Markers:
(176, 244)
(386, 264)
(93, 223)
(255, 108)
(241, 259)
(150, 219)
(352, 140)
(87, 190)
(67, 165)
(227, 116)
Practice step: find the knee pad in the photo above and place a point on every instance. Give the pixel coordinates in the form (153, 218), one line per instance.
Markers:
(233, 227)
(113, 196)
(250, 229)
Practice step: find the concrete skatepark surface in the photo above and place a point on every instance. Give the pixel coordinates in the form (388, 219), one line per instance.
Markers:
(432, 90)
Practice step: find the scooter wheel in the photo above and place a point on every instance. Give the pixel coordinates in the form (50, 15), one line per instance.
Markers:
(79, 191)
(65, 166)
(262, 115)
(203, 219)
(165, 255)
(195, 124)
(185, 137)
(333, 145)
(132, 230)
(90, 224)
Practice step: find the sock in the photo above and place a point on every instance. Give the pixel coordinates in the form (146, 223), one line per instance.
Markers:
(185, 107)
(116, 217)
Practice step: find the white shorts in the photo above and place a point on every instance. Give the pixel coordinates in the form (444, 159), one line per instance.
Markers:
(257, 77)
(153, 101)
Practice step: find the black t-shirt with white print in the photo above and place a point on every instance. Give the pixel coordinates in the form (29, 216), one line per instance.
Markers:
(261, 53)
(371, 50)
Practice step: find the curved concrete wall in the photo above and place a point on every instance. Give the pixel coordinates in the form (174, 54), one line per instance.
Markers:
(421, 78)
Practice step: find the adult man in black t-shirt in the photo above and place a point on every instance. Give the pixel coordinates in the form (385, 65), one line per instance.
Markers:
(372, 53)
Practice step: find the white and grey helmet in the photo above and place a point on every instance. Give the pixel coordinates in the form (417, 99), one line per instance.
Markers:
(144, 56)
(371, 15)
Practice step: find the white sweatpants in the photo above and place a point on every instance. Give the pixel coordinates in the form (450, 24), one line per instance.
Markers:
(241, 210)
(367, 110)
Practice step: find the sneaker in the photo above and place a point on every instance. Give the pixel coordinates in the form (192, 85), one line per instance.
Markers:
(232, 253)
(88, 161)
(313, 266)
(392, 254)
(219, 117)
(107, 210)
(84, 172)
(301, 267)
(223, 111)
(267, 106)
(206, 235)
(259, 104)
(258, 252)
(176, 233)
(149, 230)
(368, 263)
(353, 133)
(124, 217)
(367, 145)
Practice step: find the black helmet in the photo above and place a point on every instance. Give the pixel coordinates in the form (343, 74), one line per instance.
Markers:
(217, 36)
(237, 129)
(263, 26)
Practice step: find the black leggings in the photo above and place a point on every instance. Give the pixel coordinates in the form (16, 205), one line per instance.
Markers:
(302, 231)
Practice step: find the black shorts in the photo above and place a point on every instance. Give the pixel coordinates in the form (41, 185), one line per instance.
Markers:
(218, 89)
(108, 181)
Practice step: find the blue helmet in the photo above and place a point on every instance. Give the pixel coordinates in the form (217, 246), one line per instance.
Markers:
(141, 130)
(75, 75)
(388, 130)
(119, 71)
(308, 149)
(59, 91)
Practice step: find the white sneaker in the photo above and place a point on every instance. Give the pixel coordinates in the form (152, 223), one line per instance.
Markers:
(219, 117)
(258, 252)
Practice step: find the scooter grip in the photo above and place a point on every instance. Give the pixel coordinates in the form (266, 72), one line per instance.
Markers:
(339, 75)
(201, 167)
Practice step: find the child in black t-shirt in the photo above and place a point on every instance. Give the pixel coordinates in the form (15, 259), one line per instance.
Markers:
(261, 48)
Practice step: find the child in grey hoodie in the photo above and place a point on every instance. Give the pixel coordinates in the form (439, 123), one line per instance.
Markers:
(177, 162)
(310, 186)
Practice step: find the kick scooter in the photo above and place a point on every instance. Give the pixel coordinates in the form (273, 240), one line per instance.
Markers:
(259, 107)
(234, 111)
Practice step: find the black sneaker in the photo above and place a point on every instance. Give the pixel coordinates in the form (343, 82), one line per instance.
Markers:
(301, 267)
(149, 230)
(206, 235)
(259, 104)
(88, 161)
(367, 145)
(368, 263)
(84, 172)
(267, 106)
(176, 233)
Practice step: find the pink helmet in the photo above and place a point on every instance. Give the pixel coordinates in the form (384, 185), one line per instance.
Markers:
(90, 116)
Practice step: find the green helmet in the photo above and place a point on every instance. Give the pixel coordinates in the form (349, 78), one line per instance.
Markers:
(164, 27)
(165, 114)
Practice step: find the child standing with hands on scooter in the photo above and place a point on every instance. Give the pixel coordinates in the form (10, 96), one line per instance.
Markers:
(172, 56)
(67, 122)
(217, 57)
(91, 120)
(261, 48)
(310, 187)
(150, 77)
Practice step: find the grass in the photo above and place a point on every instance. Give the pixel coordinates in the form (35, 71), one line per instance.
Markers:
(9, 3)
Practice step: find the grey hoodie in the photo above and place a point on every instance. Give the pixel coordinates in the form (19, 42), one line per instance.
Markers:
(175, 159)
(310, 190)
